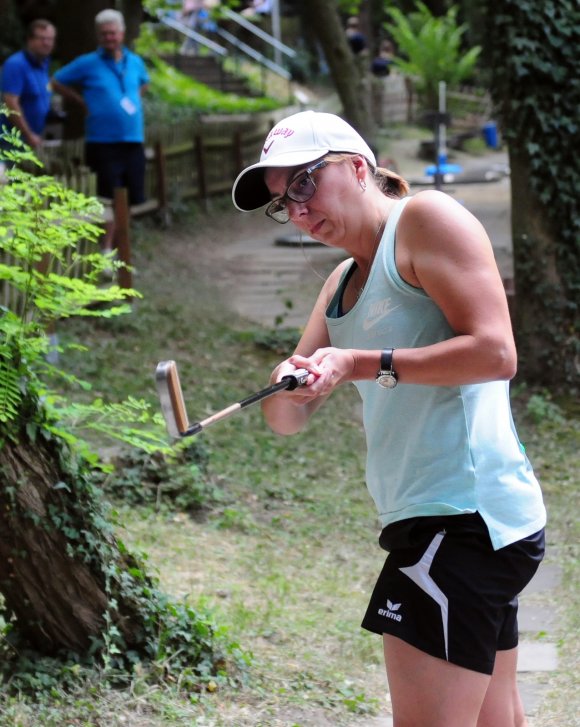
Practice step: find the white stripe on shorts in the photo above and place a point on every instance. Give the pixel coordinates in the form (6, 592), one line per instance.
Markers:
(419, 574)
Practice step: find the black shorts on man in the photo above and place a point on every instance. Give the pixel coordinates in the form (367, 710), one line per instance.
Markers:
(446, 591)
(120, 164)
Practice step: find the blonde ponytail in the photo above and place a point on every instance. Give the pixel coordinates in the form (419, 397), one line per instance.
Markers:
(390, 183)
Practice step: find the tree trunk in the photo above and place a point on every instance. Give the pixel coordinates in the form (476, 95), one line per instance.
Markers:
(350, 79)
(541, 307)
(531, 52)
(54, 554)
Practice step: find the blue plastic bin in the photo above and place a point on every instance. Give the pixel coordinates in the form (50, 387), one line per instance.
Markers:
(489, 131)
(432, 170)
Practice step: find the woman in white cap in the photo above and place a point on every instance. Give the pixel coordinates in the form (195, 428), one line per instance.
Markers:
(418, 319)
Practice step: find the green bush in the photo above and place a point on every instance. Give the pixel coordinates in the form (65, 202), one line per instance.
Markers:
(175, 88)
(430, 49)
(177, 480)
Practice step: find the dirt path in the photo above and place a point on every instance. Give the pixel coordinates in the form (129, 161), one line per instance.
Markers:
(272, 282)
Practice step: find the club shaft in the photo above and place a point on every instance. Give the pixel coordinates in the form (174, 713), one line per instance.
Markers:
(286, 383)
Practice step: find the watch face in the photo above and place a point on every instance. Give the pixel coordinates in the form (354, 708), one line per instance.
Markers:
(387, 380)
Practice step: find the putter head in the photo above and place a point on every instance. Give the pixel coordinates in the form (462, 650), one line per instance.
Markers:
(171, 398)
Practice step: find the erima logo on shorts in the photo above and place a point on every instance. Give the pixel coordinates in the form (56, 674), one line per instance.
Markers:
(389, 612)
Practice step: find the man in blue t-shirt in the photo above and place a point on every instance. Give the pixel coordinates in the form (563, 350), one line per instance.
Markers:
(109, 83)
(26, 83)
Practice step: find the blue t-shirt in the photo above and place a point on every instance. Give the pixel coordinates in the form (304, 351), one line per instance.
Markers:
(112, 92)
(28, 78)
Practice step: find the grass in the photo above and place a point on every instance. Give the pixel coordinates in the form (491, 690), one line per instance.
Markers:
(287, 554)
(552, 437)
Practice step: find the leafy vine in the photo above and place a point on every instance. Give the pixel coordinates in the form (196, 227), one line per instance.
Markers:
(533, 53)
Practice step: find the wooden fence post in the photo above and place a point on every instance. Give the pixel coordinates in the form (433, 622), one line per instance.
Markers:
(200, 162)
(237, 150)
(161, 173)
(122, 216)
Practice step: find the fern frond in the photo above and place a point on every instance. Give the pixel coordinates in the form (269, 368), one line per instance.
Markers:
(10, 392)
(48, 272)
(130, 421)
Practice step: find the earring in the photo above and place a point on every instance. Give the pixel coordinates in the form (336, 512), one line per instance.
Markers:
(363, 184)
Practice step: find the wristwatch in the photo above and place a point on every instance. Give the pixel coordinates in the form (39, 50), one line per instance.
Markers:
(387, 376)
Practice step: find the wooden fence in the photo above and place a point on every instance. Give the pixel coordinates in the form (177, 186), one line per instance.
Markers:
(184, 162)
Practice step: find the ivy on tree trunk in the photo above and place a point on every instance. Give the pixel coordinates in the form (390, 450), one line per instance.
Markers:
(533, 50)
(59, 562)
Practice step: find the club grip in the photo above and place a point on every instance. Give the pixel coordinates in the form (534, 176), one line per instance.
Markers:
(296, 379)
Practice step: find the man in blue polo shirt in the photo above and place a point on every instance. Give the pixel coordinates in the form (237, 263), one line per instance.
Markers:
(26, 83)
(109, 83)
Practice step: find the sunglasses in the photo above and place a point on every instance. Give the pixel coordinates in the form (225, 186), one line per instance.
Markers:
(300, 189)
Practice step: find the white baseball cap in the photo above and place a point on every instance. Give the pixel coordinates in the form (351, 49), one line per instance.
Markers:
(296, 140)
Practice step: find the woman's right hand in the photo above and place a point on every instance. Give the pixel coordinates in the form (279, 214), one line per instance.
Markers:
(330, 366)
(288, 411)
(289, 367)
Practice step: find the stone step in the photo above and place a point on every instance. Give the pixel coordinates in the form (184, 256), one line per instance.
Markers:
(537, 656)
(209, 71)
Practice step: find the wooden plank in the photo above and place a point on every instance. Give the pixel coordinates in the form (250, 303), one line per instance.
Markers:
(150, 205)
(189, 193)
(219, 187)
(121, 236)
(177, 149)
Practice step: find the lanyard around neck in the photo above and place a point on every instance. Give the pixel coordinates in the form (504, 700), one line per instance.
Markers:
(118, 69)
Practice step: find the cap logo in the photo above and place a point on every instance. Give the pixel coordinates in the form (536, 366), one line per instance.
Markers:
(277, 131)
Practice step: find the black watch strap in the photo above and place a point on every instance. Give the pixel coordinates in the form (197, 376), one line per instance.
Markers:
(387, 359)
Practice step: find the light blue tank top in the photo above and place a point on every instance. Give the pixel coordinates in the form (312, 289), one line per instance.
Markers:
(433, 450)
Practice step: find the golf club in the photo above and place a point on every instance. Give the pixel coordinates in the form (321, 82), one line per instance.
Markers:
(173, 404)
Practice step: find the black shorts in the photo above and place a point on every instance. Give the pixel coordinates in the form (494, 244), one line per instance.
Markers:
(118, 165)
(446, 591)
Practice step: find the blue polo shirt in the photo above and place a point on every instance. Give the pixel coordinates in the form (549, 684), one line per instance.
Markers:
(28, 78)
(112, 92)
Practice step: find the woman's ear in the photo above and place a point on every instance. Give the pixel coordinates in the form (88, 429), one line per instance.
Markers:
(360, 167)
